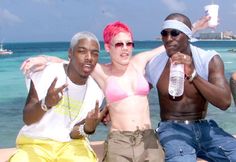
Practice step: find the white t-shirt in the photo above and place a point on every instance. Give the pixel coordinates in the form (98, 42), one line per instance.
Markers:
(57, 123)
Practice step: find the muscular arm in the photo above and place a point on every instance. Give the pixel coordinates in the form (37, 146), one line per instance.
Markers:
(217, 90)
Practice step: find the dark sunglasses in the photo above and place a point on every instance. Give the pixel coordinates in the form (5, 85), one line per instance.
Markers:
(122, 44)
(173, 33)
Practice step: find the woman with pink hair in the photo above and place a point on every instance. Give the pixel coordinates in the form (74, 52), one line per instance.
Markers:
(122, 80)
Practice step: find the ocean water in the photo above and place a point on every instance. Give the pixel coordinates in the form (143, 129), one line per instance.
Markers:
(13, 91)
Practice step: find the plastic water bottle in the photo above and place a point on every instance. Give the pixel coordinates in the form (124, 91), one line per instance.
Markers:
(176, 80)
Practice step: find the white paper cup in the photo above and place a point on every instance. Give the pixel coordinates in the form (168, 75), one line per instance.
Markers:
(212, 11)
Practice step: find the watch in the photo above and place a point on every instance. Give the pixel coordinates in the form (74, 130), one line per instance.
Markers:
(43, 105)
(192, 76)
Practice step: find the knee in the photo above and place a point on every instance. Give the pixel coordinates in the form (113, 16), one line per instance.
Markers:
(179, 153)
(232, 83)
(233, 76)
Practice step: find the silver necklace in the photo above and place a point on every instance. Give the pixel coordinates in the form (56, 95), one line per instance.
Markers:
(68, 100)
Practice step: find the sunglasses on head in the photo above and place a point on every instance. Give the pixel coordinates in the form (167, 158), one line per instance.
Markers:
(122, 44)
(173, 33)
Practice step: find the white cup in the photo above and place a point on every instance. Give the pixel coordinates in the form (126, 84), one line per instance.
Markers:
(212, 11)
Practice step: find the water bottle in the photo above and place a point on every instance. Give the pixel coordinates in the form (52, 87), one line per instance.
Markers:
(176, 80)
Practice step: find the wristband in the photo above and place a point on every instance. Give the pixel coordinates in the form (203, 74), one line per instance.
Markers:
(81, 131)
(193, 75)
(43, 105)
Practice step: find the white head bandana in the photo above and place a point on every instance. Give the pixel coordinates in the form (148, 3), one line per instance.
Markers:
(175, 24)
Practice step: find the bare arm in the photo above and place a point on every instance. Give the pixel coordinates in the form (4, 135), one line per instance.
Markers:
(217, 90)
(38, 63)
(141, 59)
(201, 24)
(33, 111)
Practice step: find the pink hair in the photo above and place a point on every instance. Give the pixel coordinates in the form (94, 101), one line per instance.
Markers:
(112, 29)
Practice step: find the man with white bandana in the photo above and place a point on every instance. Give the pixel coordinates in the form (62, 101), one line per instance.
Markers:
(184, 132)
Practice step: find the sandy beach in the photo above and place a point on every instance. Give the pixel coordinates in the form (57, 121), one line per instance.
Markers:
(96, 145)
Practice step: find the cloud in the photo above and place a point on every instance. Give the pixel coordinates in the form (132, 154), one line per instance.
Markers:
(175, 5)
(8, 18)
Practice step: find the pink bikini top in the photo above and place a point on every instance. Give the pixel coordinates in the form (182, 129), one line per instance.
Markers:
(114, 92)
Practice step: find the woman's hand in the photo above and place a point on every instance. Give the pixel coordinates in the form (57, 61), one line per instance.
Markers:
(38, 63)
(34, 64)
(201, 24)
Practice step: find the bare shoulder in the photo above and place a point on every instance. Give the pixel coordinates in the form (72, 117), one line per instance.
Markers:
(100, 73)
(216, 63)
(105, 68)
(216, 70)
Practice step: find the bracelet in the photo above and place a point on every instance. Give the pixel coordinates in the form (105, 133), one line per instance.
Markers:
(193, 75)
(81, 131)
(43, 105)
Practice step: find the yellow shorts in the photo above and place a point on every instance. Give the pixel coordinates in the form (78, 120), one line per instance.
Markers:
(36, 150)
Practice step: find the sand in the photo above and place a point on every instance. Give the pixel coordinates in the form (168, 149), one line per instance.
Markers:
(96, 145)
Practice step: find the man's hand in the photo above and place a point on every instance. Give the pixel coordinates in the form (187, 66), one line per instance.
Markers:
(93, 118)
(106, 119)
(54, 95)
(181, 58)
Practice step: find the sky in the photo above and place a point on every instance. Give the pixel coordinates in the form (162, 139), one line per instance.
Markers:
(59, 20)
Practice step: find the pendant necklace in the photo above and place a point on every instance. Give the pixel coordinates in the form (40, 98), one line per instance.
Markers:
(68, 100)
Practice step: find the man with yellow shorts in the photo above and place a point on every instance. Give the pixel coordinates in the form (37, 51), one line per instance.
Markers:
(62, 107)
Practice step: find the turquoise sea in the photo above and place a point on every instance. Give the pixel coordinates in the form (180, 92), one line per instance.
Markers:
(13, 91)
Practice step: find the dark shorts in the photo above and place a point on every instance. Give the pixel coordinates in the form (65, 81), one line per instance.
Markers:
(137, 146)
